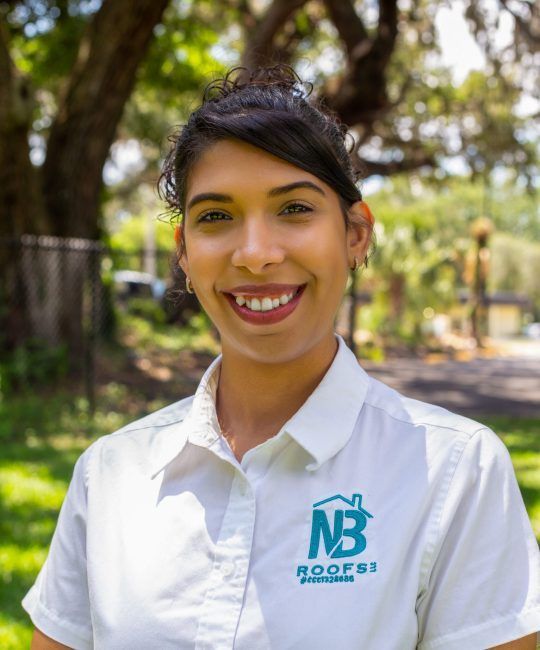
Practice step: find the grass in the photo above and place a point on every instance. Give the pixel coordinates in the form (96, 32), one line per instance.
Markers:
(143, 333)
(522, 438)
(41, 440)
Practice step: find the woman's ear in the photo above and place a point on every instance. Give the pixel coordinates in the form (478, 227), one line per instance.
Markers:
(180, 248)
(359, 231)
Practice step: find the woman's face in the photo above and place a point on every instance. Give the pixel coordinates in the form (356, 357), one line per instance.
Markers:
(268, 262)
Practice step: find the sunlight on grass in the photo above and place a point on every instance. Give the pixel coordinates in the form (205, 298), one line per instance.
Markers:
(142, 334)
(527, 467)
(34, 475)
(30, 484)
(14, 635)
(24, 562)
(522, 439)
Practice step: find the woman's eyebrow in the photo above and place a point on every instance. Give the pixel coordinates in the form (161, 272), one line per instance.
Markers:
(209, 196)
(275, 191)
(283, 189)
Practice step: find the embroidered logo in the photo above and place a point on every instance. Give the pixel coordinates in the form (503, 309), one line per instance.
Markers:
(337, 531)
(334, 536)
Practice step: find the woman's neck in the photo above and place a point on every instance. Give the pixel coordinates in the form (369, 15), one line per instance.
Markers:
(255, 399)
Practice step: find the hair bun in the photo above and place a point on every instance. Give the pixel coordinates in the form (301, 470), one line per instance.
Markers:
(280, 75)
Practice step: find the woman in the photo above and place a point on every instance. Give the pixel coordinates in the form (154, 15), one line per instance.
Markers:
(293, 502)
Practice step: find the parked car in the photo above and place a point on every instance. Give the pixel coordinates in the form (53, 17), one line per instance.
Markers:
(135, 284)
(532, 330)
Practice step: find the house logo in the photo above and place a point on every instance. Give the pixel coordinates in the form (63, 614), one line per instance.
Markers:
(343, 536)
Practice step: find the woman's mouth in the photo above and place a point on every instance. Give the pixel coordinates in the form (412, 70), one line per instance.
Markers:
(265, 309)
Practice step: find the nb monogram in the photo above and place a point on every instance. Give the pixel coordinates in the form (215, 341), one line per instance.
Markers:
(334, 536)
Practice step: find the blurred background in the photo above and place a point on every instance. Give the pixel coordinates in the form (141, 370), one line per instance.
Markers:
(442, 102)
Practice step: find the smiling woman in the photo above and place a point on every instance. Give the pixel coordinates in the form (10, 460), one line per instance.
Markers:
(279, 236)
(293, 501)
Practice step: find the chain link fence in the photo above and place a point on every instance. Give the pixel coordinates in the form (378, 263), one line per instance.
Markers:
(55, 306)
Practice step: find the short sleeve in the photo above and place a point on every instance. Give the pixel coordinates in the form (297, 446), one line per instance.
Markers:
(58, 602)
(483, 588)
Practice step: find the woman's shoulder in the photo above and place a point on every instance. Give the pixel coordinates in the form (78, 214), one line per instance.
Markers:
(435, 429)
(413, 412)
(140, 442)
(175, 412)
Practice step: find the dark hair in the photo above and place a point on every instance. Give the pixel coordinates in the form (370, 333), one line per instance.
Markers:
(269, 109)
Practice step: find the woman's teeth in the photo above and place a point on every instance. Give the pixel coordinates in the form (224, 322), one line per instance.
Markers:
(264, 304)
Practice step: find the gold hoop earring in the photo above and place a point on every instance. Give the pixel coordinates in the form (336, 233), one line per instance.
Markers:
(355, 267)
(189, 286)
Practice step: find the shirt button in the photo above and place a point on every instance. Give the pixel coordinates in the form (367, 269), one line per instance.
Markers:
(243, 489)
(227, 568)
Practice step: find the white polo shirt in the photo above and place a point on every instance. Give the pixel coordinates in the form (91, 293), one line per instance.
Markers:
(369, 521)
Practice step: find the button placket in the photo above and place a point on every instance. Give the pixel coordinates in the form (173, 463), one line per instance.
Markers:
(223, 602)
(227, 569)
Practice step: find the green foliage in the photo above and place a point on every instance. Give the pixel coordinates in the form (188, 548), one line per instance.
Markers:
(41, 440)
(129, 237)
(484, 104)
(523, 442)
(131, 232)
(515, 266)
(423, 237)
(44, 40)
(34, 363)
(180, 60)
(148, 336)
(450, 206)
(148, 309)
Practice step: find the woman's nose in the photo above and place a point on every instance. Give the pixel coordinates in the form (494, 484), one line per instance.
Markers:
(257, 246)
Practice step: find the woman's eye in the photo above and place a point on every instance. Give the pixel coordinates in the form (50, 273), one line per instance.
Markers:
(216, 215)
(297, 208)
(213, 215)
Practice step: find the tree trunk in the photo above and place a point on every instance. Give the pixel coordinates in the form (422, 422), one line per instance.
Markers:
(396, 291)
(100, 84)
(41, 291)
(260, 48)
(20, 198)
(361, 96)
(21, 202)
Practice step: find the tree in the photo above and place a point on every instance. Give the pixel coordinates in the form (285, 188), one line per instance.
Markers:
(402, 105)
(427, 251)
(63, 196)
(66, 193)
(76, 75)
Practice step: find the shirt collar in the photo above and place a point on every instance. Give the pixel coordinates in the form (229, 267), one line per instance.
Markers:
(322, 426)
(325, 422)
(198, 423)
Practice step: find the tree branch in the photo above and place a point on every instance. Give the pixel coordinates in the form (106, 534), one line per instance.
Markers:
(387, 31)
(525, 27)
(259, 48)
(5, 58)
(372, 167)
(348, 23)
(361, 95)
(245, 14)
